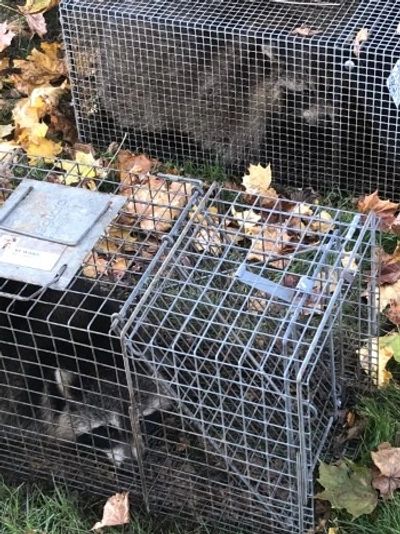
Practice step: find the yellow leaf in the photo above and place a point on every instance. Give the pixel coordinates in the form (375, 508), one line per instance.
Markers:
(28, 111)
(258, 181)
(333, 530)
(39, 130)
(324, 224)
(5, 130)
(40, 68)
(385, 354)
(38, 6)
(82, 167)
(40, 148)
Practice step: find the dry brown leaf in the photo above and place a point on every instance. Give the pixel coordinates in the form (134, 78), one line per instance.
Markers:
(267, 242)
(119, 266)
(41, 67)
(38, 6)
(387, 460)
(305, 31)
(361, 37)
(6, 36)
(59, 123)
(156, 204)
(390, 267)
(133, 167)
(384, 209)
(393, 312)
(94, 265)
(115, 512)
(37, 24)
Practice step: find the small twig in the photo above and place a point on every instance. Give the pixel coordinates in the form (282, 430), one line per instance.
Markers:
(117, 152)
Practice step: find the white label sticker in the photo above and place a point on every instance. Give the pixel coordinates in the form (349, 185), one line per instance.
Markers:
(13, 251)
(393, 83)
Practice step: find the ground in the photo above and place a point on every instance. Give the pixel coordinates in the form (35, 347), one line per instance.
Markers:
(29, 509)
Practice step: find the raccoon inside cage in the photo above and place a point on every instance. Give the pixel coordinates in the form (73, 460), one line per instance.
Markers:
(294, 84)
(249, 328)
(70, 261)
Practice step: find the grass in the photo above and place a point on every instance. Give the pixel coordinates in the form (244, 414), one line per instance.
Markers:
(28, 509)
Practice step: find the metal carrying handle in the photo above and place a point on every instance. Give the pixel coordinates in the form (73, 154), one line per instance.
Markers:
(13, 296)
(305, 285)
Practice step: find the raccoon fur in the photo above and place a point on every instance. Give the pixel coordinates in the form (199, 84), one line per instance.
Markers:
(217, 92)
(62, 375)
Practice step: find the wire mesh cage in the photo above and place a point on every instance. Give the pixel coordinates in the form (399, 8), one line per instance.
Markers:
(310, 87)
(64, 392)
(249, 329)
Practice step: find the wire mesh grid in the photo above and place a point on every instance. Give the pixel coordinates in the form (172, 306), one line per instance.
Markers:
(64, 396)
(229, 83)
(246, 330)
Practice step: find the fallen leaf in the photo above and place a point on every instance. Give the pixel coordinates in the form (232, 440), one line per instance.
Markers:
(133, 167)
(389, 271)
(384, 209)
(94, 265)
(37, 24)
(83, 167)
(119, 266)
(361, 37)
(6, 130)
(6, 36)
(387, 460)
(38, 6)
(393, 312)
(348, 486)
(333, 530)
(267, 242)
(388, 294)
(40, 68)
(323, 223)
(305, 31)
(247, 218)
(156, 203)
(258, 182)
(42, 149)
(115, 512)
(7, 150)
(59, 123)
(385, 352)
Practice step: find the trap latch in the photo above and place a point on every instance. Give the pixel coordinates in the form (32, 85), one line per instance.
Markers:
(46, 231)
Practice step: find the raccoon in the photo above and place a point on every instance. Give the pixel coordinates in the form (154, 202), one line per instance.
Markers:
(62, 374)
(219, 93)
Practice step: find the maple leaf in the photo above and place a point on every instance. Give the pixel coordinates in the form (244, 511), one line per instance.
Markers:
(384, 209)
(38, 6)
(258, 182)
(115, 512)
(59, 123)
(387, 460)
(361, 37)
(6, 36)
(393, 312)
(37, 24)
(40, 68)
(348, 486)
(132, 168)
